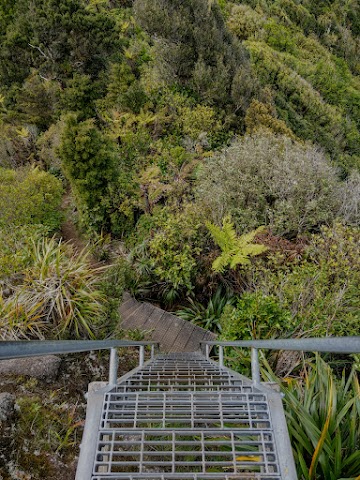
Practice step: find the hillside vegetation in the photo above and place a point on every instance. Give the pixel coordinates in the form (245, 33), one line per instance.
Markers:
(210, 154)
(167, 120)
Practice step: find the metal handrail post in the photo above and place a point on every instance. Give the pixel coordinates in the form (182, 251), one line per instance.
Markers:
(141, 355)
(255, 368)
(113, 367)
(152, 351)
(207, 350)
(221, 356)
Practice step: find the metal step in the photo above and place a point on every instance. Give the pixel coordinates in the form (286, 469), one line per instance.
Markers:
(182, 416)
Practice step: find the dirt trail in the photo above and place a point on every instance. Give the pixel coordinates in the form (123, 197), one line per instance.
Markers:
(69, 231)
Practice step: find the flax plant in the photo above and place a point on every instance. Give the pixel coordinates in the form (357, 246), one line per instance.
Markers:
(58, 296)
(323, 417)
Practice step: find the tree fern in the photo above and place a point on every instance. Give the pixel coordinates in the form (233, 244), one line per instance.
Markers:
(234, 250)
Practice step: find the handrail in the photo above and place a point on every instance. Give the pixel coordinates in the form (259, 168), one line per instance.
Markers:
(324, 344)
(342, 345)
(34, 348)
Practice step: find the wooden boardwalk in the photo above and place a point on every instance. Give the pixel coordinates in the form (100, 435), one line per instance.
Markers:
(173, 333)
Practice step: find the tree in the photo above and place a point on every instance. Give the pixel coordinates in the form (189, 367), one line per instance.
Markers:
(58, 39)
(195, 48)
(89, 164)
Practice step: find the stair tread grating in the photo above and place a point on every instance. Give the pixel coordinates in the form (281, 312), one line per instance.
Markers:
(183, 417)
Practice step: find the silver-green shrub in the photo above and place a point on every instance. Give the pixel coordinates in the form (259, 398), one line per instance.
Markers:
(266, 179)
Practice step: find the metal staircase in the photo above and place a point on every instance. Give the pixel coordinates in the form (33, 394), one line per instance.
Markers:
(183, 416)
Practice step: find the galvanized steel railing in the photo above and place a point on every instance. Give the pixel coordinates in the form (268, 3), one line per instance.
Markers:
(35, 348)
(341, 345)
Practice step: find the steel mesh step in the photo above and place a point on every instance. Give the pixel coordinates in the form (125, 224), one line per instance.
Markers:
(183, 417)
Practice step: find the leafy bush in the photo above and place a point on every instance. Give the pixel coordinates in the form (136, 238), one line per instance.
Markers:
(323, 417)
(322, 291)
(267, 179)
(255, 316)
(30, 196)
(167, 250)
(56, 296)
(194, 49)
(89, 164)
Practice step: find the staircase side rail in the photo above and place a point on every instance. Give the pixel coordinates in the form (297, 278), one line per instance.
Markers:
(340, 345)
(36, 348)
(344, 345)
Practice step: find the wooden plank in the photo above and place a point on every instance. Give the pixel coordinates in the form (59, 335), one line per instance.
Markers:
(183, 338)
(176, 325)
(128, 306)
(143, 316)
(153, 321)
(130, 321)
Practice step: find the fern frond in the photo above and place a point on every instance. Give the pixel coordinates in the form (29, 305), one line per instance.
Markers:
(235, 250)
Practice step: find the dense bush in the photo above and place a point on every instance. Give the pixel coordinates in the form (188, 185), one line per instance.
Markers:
(256, 316)
(30, 196)
(167, 250)
(195, 49)
(322, 291)
(265, 179)
(89, 163)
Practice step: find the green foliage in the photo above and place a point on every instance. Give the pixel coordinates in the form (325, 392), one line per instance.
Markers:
(271, 180)
(112, 284)
(323, 418)
(80, 95)
(167, 255)
(17, 145)
(322, 291)
(56, 296)
(207, 316)
(35, 101)
(29, 196)
(89, 164)
(16, 245)
(54, 38)
(194, 48)
(299, 51)
(256, 316)
(234, 250)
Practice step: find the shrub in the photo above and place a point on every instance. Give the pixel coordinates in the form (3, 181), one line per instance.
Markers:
(255, 316)
(89, 164)
(30, 196)
(267, 179)
(322, 291)
(167, 250)
(194, 48)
